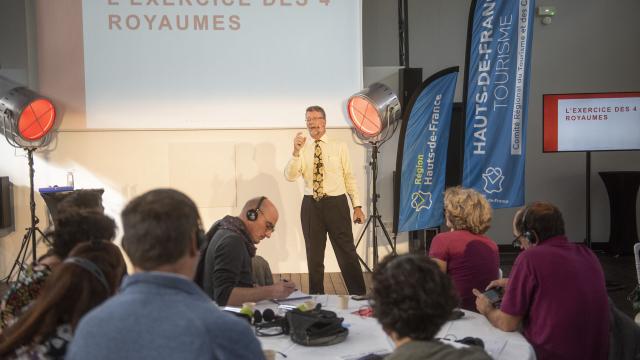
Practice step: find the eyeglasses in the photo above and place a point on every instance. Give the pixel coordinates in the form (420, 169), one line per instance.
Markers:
(271, 227)
(314, 118)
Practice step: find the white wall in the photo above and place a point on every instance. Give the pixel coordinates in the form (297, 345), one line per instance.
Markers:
(220, 170)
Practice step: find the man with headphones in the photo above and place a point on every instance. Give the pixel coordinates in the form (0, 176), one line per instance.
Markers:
(556, 291)
(227, 274)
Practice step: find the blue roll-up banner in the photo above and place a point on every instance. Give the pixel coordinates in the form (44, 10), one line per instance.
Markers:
(422, 153)
(496, 96)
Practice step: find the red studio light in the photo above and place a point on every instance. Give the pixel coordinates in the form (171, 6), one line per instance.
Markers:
(36, 120)
(364, 116)
(27, 118)
(373, 109)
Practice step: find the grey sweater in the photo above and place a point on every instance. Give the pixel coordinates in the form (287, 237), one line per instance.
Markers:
(435, 350)
(227, 265)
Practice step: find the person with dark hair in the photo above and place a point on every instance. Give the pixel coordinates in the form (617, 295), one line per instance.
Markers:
(227, 274)
(556, 291)
(465, 253)
(73, 226)
(325, 166)
(160, 313)
(89, 275)
(90, 199)
(412, 299)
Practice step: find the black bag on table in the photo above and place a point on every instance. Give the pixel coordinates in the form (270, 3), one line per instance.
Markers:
(316, 327)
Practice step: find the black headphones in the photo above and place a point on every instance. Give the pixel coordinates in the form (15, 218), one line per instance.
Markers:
(268, 323)
(91, 267)
(252, 214)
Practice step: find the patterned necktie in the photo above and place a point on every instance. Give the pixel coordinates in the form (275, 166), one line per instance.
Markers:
(318, 173)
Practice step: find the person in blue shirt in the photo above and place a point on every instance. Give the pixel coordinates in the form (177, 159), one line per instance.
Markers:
(160, 313)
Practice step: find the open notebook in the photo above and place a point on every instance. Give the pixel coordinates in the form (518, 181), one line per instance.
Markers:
(296, 295)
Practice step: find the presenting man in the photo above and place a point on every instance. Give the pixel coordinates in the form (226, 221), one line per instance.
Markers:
(227, 276)
(556, 291)
(160, 313)
(326, 168)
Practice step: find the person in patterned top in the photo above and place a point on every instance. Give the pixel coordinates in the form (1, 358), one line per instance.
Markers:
(88, 276)
(73, 226)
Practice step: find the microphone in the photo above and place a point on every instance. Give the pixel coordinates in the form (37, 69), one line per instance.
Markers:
(268, 315)
(257, 316)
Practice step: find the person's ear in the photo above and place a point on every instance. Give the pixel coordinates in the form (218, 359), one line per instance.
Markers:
(194, 248)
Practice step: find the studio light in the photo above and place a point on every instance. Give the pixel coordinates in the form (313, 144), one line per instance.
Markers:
(27, 117)
(374, 113)
(27, 121)
(374, 110)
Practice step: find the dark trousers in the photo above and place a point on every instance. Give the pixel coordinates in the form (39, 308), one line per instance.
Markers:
(330, 215)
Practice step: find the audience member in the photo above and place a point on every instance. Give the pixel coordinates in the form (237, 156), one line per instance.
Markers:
(90, 199)
(73, 226)
(412, 299)
(465, 253)
(556, 291)
(86, 278)
(160, 313)
(227, 271)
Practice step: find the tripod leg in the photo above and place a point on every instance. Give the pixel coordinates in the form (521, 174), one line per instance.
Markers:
(43, 237)
(364, 231)
(364, 264)
(22, 254)
(386, 234)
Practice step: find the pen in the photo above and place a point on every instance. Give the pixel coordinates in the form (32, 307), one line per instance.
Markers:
(285, 280)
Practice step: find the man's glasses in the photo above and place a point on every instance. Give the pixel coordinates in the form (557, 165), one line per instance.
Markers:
(314, 119)
(271, 227)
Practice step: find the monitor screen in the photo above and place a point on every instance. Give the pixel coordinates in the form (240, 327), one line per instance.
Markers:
(591, 122)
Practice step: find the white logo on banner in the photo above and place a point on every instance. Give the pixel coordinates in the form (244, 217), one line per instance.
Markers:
(421, 200)
(493, 180)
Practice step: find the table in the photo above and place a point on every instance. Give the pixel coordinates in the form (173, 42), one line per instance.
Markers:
(366, 335)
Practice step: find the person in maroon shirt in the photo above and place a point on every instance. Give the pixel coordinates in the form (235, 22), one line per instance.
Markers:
(470, 258)
(556, 291)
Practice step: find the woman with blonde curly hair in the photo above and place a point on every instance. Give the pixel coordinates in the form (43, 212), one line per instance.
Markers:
(465, 253)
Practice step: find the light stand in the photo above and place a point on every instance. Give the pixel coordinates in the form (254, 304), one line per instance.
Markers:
(375, 219)
(374, 112)
(29, 238)
(27, 120)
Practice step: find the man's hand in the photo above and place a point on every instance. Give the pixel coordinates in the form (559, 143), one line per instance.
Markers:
(496, 317)
(282, 289)
(482, 302)
(498, 283)
(298, 143)
(358, 215)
